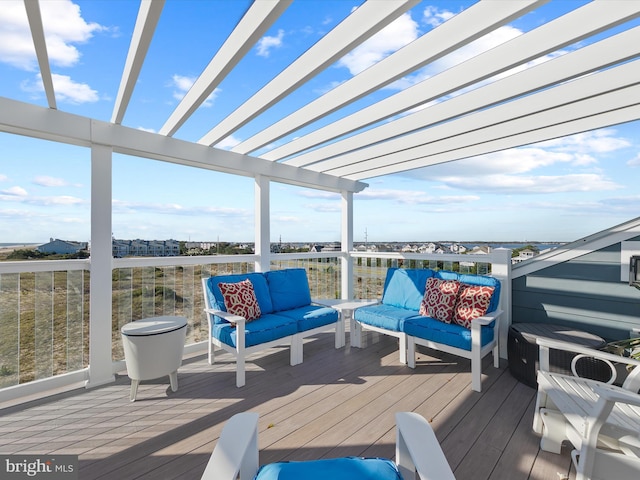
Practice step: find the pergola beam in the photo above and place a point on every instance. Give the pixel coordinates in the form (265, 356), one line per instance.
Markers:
(34, 121)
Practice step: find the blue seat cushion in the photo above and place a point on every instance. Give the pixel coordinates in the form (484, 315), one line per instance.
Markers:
(289, 288)
(446, 333)
(260, 287)
(384, 316)
(265, 329)
(348, 468)
(311, 316)
(405, 287)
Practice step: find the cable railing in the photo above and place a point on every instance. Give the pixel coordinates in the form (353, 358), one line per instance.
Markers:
(45, 305)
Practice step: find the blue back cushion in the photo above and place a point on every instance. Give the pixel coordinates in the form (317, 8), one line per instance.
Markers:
(260, 287)
(482, 280)
(348, 468)
(404, 288)
(289, 288)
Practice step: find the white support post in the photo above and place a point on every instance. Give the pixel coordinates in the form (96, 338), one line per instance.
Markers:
(100, 358)
(347, 245)
(262, 224)
(501, 269)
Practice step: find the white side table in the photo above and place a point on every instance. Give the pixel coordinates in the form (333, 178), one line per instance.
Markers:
(346, 308)
(153, 348)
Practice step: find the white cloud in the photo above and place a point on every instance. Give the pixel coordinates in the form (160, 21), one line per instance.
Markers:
(394, 36)
(434, 17)
(63, 27)
(15, 191)
(266, 44)
(598, 141)
(122, 206)
(183, 84)
(18, 194)
(150, 130)
(634, 162)
(509, 171)
(414, 197)
(228, 143)
(45, 181)
(66, 90)
(3, 178)
(512, 184)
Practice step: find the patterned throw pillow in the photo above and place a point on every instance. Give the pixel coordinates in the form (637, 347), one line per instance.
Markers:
(439, 299)
(473, 302)
(240, 299)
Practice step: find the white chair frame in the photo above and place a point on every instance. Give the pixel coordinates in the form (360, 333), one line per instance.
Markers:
(601, 420)
(418, 451)
(240, 351)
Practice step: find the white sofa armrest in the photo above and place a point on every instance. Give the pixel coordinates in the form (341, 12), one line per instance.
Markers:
(229, 317)
(488, 318)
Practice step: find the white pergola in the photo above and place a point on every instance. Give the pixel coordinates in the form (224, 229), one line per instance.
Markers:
(437, 120)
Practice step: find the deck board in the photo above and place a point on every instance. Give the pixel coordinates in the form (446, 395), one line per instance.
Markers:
(336, 403)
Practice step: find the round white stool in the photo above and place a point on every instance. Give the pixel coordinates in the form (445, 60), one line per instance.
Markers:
(153, 348)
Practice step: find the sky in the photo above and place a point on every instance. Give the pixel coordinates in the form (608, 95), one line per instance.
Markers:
(560, 190)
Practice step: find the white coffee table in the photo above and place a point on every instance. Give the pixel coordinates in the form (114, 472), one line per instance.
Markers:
(346, 309)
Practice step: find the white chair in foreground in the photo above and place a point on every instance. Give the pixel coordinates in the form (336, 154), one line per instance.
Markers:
(601, 420)
(417, 452)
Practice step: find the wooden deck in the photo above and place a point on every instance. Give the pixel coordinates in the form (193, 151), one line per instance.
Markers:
(338, 402)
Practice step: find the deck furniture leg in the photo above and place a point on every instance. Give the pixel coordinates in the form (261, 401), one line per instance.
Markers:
(134, 390)
(173, 380)
(553, 430)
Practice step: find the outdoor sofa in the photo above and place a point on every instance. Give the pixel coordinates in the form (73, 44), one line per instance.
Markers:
(446, 311)
(251, 312)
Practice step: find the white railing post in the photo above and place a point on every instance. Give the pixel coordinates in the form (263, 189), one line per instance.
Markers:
(262, 224)
(501, 269)
(347, 245)
(100, 361)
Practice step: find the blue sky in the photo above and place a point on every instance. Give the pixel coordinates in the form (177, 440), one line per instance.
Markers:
(555, 191)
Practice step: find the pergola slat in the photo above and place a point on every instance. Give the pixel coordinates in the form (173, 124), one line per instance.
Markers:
(37, 33)
(256, 21)
(603, 111)
(580, 62)
(480, 19)
(148, 16)
(365, 21)
(572, 27)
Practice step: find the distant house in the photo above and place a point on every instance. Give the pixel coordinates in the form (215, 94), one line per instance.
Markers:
(481, 250)
(62, 247)
(145, 248)
(525, 254)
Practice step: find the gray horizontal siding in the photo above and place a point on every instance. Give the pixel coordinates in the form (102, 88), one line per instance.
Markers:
(584, 293)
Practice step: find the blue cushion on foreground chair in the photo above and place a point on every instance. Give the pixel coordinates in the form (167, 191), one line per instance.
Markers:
(348, 468)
